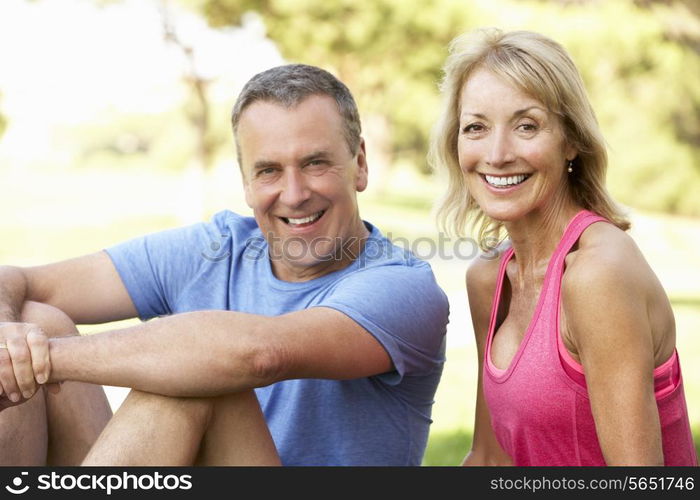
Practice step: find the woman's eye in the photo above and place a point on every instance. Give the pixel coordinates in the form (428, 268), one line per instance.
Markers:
(527, 127)
(473, 128)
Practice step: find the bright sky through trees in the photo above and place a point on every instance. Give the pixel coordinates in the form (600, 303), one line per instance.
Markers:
(66, 62)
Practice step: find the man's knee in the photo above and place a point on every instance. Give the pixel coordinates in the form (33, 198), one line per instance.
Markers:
(197, 409)
(52, 320)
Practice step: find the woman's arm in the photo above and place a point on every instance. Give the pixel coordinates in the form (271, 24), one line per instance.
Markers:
(481, 284)
(607, 294)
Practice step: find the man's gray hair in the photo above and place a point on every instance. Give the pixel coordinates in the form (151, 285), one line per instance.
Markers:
(289, 85)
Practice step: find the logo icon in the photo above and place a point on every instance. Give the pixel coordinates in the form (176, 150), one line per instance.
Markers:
(17, 482)
(216, 251)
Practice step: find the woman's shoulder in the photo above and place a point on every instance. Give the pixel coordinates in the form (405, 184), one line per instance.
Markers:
(482, 278)
(608, 286)
(605, 253)
(607, 268)
(482, 272)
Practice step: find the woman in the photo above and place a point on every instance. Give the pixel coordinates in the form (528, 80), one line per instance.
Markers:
(575, 334)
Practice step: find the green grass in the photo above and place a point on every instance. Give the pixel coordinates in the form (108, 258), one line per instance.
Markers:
(447, 447)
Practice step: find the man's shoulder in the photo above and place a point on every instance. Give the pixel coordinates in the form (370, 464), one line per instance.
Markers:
(381, 251)
(235, 233)
(233, 223)
(390, 269)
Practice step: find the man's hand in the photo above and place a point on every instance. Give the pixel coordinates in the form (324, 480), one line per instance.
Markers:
(24, 362)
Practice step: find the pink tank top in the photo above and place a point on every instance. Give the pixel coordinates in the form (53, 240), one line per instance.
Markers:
(539, 405)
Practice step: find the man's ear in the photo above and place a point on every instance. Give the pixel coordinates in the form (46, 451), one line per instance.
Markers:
(247, 190)
(362, 174)
(247, 195)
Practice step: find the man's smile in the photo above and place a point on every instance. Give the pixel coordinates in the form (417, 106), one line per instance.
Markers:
(303, 221)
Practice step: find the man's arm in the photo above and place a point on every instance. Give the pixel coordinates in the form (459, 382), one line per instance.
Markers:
(208, 353)
(13, 291)
(87, 288)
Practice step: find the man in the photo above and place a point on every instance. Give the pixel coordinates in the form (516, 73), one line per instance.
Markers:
(338, 333)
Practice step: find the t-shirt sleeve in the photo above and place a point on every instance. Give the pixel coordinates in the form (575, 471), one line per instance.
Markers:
(156, 268)
(403, 308)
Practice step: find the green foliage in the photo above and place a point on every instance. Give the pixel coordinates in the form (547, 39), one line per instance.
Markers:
(447, 447)
(389, 52)
(643, 82)
(640, 61)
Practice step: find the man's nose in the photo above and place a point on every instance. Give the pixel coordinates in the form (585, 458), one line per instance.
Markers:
(295, 189)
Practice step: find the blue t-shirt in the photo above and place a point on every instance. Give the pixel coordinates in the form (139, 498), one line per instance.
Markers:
(379, 420)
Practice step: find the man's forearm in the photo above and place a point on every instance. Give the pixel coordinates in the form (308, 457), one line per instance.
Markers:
(193, 354)
(13, 293)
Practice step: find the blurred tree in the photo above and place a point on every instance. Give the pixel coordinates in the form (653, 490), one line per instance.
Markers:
(188, 137)
(198, 112)
(681, 24)
(642, 78)
(641, 75)
(692, 5)
(389, 52)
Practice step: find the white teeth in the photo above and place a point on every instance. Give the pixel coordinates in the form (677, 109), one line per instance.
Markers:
(505, 181)
(305, 220)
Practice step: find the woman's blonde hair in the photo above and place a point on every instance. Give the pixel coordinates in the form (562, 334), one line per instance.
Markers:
(541, 68)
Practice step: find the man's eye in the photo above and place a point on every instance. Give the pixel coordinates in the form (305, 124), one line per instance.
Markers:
(316, 167)
(266, 171)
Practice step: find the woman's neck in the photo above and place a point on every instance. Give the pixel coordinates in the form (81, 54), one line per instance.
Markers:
(535, 237)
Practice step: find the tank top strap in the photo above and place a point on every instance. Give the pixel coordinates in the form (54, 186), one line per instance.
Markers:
(552, 299)
(507, 255)
(552, 284)
(549, 295)
(573, 232)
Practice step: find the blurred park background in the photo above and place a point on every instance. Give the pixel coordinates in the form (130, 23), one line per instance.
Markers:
(114, 122)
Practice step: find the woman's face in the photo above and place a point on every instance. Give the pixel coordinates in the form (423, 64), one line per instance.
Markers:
(512, 150)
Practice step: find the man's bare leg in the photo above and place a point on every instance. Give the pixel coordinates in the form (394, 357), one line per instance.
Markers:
(53, 429)
(76, 416)
(237, 433)
(24, 434)
(149, 429)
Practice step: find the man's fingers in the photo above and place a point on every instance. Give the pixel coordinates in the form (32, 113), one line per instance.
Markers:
(22, 365)
(39, 350)
(7, 376)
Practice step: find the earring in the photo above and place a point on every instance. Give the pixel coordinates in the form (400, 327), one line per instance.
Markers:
(570, 166)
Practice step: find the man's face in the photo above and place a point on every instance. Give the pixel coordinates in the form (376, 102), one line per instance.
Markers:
(301, 181)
